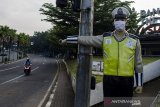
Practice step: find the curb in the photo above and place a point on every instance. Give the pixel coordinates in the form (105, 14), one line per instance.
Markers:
(49, 91)
(72, 78)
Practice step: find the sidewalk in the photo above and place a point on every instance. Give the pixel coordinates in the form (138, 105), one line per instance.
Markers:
(64, 94)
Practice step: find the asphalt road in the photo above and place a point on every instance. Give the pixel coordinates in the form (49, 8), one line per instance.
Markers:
(150, 91)
(17, 90)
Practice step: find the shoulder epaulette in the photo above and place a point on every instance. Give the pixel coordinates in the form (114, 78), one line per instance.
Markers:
(105, 34)
(133, 36)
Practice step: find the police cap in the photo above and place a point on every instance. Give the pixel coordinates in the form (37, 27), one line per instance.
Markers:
(120, 13)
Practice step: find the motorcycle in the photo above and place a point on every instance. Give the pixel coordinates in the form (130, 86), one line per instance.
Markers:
(27, 69)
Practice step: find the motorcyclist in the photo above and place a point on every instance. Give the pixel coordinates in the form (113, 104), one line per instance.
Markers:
(28, 62)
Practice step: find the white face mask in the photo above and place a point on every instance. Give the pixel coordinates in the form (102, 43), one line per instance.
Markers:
(119, 25)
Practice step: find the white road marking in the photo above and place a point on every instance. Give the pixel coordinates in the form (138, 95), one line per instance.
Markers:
(17, 77)
(11, 80)
(9, 68)
(51, 96)
(51, 91)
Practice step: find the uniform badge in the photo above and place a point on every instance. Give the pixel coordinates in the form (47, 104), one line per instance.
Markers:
(129, 44)
(108, 41)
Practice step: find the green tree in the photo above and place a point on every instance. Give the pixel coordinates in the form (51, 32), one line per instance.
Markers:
(8, 37)
(103, 21)
(23, 43)
(40, 42)
(66, 22)
(11, 36)
(4, 35)
(45, 43)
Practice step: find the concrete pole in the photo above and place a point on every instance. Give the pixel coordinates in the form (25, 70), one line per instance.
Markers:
(82, 98)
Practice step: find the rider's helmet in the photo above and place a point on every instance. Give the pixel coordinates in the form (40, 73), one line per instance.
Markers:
(27, 59)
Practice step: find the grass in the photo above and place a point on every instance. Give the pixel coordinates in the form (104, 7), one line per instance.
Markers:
(72, 65)
(99, 78)
(147, 60)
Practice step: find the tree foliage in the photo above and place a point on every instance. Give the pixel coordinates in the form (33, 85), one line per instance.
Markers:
(9, 36)
(66, 22)
(103, 21)
(23, 41)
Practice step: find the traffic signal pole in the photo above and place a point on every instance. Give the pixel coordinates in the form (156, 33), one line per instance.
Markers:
(82, 97)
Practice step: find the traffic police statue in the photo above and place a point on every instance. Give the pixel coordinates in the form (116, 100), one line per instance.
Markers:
(121, 55)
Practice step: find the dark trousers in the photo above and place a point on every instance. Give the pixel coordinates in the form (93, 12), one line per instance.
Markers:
(117, 88)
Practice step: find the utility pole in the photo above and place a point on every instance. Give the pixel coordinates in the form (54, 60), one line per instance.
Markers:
(17, 49)
(82, 98)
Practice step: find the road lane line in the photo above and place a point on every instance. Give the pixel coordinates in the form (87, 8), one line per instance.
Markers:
(17, 77)
(11, 80)
(51, 96)
(9, 68)
(35, 69)
(45, 101)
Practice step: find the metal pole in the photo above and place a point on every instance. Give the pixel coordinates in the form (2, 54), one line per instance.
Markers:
(3, 50)
(9, 54)
(82, 98)
(17, 49)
